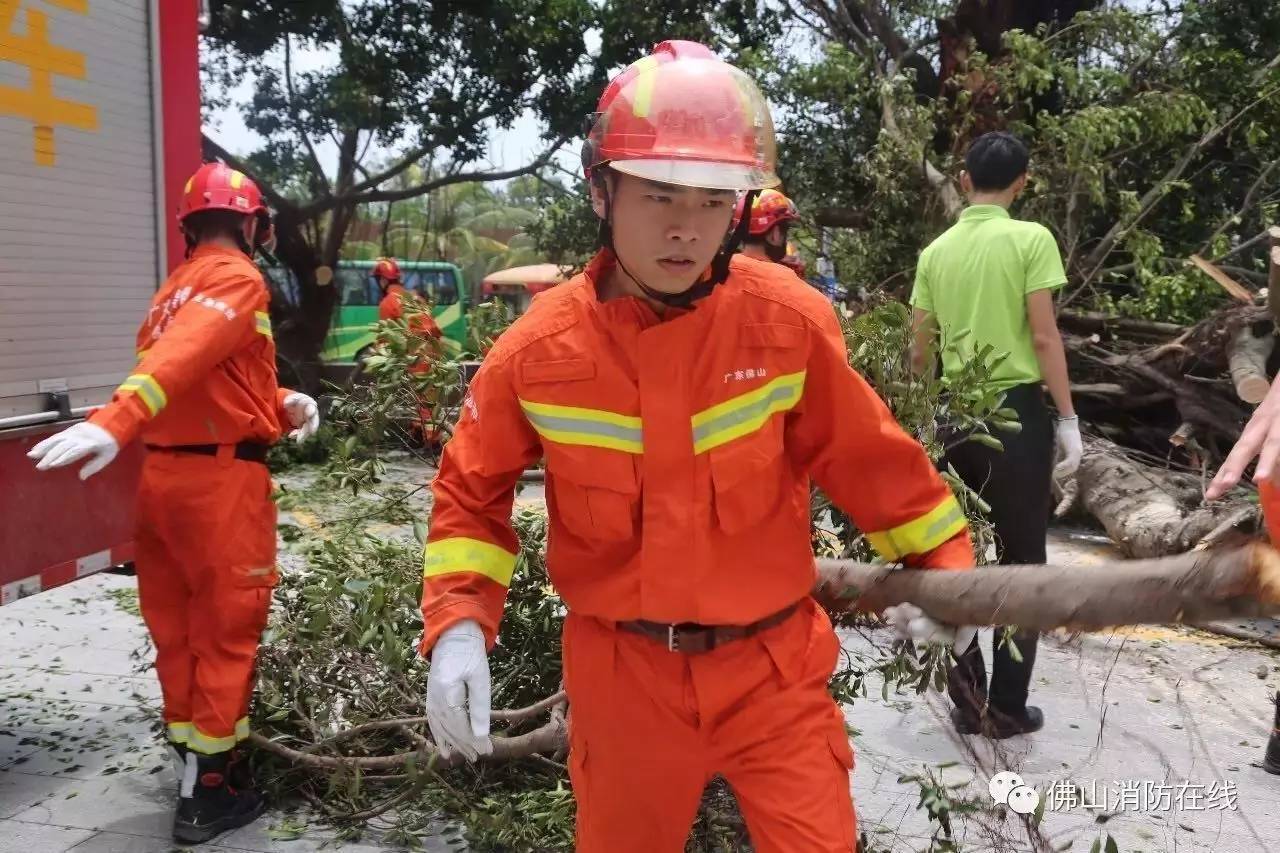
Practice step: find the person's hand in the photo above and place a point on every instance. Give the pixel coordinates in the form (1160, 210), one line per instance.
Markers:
(458, 703)
(915, 625)
(304, 414)
(73, 444)
(1070, 450)
(1260, 439)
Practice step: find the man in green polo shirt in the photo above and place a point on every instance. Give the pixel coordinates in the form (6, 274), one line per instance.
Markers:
(989, 280)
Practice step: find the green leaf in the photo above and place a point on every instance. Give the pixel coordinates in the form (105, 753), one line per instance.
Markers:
(357, 586)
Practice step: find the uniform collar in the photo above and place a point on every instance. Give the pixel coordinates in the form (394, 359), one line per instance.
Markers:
(626, 308)
(980, 212)
(208, 249)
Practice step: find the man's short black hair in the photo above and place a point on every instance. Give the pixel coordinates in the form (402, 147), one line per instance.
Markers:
(995, 160)
(213, 224)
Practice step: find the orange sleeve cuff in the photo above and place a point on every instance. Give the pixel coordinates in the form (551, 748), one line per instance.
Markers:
(955, 553)
(444, 609)
(123, 417)
(281, 414)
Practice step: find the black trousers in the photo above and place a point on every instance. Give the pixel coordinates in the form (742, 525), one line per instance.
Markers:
(1016, 484)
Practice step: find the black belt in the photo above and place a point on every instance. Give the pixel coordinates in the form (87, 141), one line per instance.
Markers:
(248, 451)
(691, 638)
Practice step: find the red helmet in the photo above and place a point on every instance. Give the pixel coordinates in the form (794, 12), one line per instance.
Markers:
(682, 116)
(387, 268)
(769, 209)
(217, 186)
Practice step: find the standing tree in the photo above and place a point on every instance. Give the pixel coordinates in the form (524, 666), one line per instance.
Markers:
(415, 84)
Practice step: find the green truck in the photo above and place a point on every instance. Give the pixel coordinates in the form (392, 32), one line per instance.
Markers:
(351, 332)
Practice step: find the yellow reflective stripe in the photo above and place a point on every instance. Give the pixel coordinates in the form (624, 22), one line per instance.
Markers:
(460, 554)
(263, 322)
(179, 732)
(237, 180)
(746, 413)
(142, 354)
(198, 741)
(589, 427)
(921, 535)
(645, 74)
(148, 390)
(242, 729)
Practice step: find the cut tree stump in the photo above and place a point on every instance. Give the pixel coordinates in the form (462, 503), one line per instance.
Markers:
(1247, 356)
(1196, 587)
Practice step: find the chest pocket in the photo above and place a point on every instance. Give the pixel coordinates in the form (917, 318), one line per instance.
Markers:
(743, 436)
(596, 492)
(591, 454)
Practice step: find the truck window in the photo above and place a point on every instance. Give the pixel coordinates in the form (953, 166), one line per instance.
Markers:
(354, 287)
(441, 286)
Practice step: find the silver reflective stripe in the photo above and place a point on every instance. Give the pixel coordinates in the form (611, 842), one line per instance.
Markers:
(751, 411)
(552, 423)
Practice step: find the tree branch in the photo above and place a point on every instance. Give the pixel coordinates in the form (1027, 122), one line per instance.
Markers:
(427, 186)
(297, 121)
(1153, 196)
(1244, 206)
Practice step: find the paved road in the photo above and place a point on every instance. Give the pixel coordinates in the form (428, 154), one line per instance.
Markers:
(1171, 719)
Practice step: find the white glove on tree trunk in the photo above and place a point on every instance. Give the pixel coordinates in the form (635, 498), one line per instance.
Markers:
(304, 414)
(458, 702)
(914, 624)
(73, 444)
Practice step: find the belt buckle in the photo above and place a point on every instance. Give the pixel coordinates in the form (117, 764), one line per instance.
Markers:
(673, 634)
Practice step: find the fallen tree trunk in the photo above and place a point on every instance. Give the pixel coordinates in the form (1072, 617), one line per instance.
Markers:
(1196, 587)
(1147, 511)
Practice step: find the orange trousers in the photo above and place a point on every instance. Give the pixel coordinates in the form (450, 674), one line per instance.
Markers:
(205, 558)
(649, 728)
(1270, 500)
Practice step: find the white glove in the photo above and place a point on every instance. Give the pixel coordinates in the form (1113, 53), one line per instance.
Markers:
(73, 444)
(304, 414)
(458, 681)
(914, 624)
(1070, 449)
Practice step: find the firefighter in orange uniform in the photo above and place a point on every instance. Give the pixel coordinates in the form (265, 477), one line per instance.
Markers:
(394, 296)
(204, 399)
(771, 216)
(683, 397)
(394, 299)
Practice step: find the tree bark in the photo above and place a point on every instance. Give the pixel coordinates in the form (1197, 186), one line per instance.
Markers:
(1146, 511)
(1195, 587)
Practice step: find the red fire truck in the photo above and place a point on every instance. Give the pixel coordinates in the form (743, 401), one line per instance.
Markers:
(99, 128)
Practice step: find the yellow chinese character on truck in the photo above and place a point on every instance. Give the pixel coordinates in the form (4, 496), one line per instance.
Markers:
(32, 49)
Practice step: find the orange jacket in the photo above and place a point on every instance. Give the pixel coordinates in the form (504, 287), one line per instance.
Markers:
(679, 456)
(392, 308)
(206, 370)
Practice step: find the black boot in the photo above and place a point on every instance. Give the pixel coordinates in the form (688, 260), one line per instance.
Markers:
(208, 804)
(1000, 726)
(1271, 763)
(240, 769)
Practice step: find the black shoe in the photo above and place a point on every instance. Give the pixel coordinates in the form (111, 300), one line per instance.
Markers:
(966, 722)
(1000, 726)
(212, 806)
(1271, 763)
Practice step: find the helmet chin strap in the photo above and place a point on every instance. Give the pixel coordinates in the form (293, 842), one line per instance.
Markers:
(714, 276)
